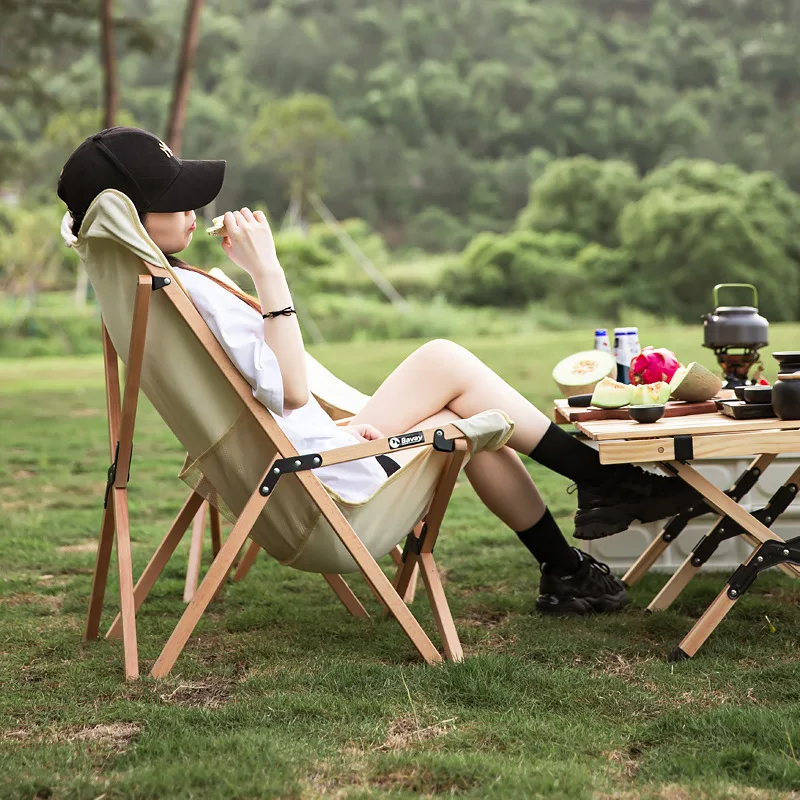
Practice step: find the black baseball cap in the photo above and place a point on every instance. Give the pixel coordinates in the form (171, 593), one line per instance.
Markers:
(141, 166)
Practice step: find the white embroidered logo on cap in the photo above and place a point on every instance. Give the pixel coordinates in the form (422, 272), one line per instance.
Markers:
(165, 149)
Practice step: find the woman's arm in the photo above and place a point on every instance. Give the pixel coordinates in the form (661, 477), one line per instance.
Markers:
(249, 244)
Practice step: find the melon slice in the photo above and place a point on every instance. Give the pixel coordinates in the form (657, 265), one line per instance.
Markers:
(645, 394)
(610, 394)
(695, 384)
(581, 372)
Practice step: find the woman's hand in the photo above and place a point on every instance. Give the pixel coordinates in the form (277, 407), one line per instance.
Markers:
(249, 242)
(363, 431)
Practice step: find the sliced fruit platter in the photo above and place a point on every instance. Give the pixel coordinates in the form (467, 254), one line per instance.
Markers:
(660, 386)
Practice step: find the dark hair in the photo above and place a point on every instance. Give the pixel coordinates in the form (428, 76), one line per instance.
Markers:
(77, 220)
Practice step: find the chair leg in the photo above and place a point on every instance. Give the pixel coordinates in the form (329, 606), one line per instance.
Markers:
(247, 561)
(125, 563)
(346, 595)
(216, 532)
(195, 553)
(100, 572)
(441, 609)
(216, 574)
(370, 568)
(410, 589)
(160, 558)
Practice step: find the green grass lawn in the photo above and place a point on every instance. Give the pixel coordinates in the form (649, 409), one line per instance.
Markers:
(281, 694)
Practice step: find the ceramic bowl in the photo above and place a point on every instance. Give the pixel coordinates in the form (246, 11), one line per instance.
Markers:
(648, 413)
(757, 394)
(739, 392)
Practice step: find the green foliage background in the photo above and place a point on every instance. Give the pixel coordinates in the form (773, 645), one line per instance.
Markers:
(591, 156)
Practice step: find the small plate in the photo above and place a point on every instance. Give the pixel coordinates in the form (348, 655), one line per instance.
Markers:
(738, 409)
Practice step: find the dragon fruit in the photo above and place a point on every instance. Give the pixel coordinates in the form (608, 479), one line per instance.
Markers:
(653, 365)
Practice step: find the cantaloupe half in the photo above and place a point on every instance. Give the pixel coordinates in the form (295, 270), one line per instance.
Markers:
(694, 383)
(610, 394)
(645, 394)
(581, 372)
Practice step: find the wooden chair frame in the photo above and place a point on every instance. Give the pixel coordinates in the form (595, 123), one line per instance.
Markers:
(116, 523)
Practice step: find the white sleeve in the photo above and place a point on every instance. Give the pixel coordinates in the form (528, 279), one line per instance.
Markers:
(240, 331)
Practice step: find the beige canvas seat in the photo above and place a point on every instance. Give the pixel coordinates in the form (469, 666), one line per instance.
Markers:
(341, 402)
(241, 461)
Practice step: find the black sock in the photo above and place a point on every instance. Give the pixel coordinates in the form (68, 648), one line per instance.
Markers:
(565, 455)
(547, 544)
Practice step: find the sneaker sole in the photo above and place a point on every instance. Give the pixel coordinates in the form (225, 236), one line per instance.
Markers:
(597, 523)
(583, 606)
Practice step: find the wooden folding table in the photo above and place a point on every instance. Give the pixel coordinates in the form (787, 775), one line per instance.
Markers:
(674, 443)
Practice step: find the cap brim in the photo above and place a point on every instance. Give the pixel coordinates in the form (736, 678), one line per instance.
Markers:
(197, 184)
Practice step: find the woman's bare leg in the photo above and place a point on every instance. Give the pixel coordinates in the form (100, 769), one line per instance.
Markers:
(506, 488)
(499, 478)
(443, 375)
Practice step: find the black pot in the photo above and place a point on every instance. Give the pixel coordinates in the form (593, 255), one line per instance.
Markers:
(788, 361)
(786, 396)
(735, 326)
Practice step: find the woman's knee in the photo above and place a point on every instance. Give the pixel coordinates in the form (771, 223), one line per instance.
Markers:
(442, 350)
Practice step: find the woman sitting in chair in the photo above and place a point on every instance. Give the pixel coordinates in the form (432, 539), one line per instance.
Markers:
(439, 382)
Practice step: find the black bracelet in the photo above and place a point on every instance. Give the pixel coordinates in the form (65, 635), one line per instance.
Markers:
(284, 312)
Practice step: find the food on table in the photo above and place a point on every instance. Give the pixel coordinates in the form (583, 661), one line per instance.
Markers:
(581, 372)
(653, 365)
(694, 383)
(610, 394)
(645, 394)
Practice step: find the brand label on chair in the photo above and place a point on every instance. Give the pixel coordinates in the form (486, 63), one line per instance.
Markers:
(407, 439)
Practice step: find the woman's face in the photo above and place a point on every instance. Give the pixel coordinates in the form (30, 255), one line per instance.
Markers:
(171, 232)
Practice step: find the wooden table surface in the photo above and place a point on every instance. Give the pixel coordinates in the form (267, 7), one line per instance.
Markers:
(676, 426)
(712, 436)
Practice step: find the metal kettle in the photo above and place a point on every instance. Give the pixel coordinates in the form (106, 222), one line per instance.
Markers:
(735, 326)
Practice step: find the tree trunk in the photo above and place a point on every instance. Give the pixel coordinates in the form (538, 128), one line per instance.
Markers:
(109, 59)
(183, 76)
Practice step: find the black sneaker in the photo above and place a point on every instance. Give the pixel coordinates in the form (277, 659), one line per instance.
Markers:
(590, 590)
(606, 509)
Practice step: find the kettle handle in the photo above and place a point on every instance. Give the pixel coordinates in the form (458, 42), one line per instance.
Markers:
(734, 286)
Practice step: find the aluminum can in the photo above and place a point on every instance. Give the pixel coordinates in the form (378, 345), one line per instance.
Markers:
(634, 346)
(601, 340)
(619, 353)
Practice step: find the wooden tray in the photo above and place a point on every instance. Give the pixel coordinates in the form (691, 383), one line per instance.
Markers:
(675, 408)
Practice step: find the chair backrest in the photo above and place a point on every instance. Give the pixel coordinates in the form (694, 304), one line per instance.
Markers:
(187, 376)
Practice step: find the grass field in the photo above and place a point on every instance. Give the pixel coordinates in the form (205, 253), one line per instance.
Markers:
(281, 694)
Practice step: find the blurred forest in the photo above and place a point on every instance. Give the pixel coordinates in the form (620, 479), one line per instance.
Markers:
(585, 155)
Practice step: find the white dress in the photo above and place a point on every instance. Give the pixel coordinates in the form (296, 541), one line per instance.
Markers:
(240, 331)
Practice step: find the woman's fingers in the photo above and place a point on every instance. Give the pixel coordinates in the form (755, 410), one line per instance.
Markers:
(231, 224)
(260, 216)
(247, 214)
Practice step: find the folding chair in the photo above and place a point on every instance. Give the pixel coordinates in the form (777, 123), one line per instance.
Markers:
(240, 460)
